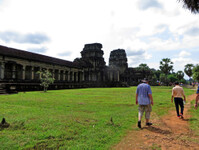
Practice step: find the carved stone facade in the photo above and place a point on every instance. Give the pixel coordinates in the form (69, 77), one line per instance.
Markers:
(18, 69)
(118, 60)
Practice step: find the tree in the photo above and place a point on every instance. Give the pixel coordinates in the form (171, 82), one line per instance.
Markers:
(172, 78)
(157, 73)
(143, 67)
(166, 66)
(46, 79)
(188, 69)
(164, 79)
(196, 72)
(154, 80)
(192, 5)
(180, 75)
(145, 70)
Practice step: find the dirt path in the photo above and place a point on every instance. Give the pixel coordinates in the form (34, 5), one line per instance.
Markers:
(166, 133)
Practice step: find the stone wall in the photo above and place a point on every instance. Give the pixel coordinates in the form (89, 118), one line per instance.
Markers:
(19, 69)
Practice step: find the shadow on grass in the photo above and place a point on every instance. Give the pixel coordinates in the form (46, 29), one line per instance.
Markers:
(157, 130)
(191, 119)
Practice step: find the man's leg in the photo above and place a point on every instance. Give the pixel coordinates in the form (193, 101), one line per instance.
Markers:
(147, 118)
(181, 106)
(140, 114)
(177, 106)
(147, 114)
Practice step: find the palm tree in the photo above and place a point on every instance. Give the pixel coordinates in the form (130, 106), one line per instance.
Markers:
(166, 66)
(196, 72)
(188, 69)
(144, 68)
(192, 5)
(180, 75)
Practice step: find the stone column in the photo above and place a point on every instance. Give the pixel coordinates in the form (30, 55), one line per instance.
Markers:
(72, 76)
(24, 72)
(111, 76)
(82, 75)
(53, 73)
(59, 75)
(77, 79)
(14, 71)
(2, 70)
(64, 75)
(68, 76)
(40, 73)
(89, 76)
(118, 76)
(32, 73)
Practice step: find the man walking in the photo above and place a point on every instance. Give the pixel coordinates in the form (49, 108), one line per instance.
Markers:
(177, 94)
(144, 99)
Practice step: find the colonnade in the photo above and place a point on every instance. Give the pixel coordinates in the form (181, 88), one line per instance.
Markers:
(13, 70)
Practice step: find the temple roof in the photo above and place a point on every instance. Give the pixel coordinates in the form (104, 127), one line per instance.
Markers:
(11, 52)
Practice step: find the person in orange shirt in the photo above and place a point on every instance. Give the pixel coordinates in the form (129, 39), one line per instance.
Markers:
(178, 94)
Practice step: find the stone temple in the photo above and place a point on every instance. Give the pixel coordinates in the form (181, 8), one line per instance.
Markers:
(18, 70)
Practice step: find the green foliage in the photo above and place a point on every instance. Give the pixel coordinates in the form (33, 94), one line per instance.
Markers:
(158, 73)
(196, 72)
(180, 75)
(172, 78)
(191, 5)
(75, 118)
(144, 67)
(164, 79)
(188, 69)
(154, 80)
(166, 65)
(145, 70)
(46, 79)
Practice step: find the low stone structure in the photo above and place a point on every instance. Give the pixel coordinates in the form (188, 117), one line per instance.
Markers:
(18, 69)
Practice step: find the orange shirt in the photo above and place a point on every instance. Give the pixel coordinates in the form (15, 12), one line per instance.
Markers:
(178, 91)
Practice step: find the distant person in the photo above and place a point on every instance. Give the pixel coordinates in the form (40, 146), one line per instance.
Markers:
(144, 99)
(177, 94)
(197, 98)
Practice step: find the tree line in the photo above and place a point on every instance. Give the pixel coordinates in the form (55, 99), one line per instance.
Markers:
(166, 75)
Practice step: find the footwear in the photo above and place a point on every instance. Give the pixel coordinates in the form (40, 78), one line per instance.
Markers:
(181, 115)
(139, 124)
(148, 123)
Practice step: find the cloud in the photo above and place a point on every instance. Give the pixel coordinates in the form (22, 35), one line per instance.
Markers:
(194, 31)
(184, 54)
(135, 52)
(37, 38)
(65, 54)
(38, 50)
(163, 33)
(146, 4)
(135, 57)
(181, 60)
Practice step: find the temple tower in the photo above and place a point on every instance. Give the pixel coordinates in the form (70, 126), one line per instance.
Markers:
(118, 60)
(93, 55)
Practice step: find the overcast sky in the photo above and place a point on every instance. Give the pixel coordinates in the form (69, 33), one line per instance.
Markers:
(148, 30)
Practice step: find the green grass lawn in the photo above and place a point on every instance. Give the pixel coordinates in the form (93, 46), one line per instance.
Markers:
(74, 118)
(194, 121)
